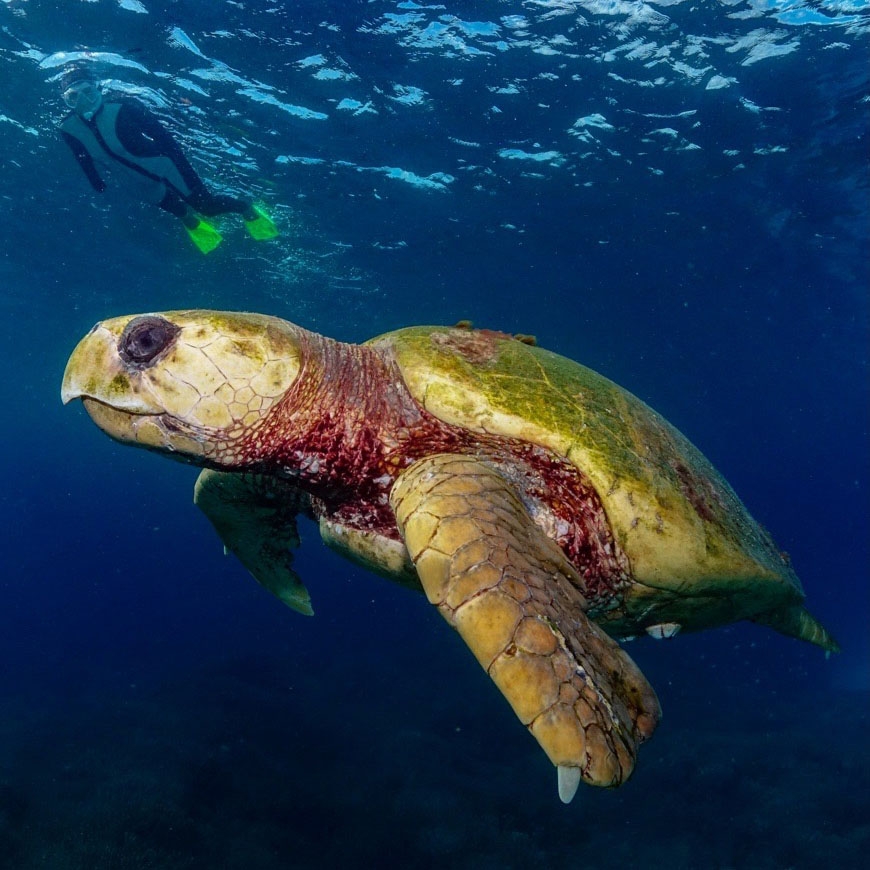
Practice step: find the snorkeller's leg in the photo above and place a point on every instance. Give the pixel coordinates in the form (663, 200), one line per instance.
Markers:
(212, 204)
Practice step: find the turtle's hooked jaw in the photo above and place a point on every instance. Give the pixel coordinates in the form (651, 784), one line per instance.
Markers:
(106, 371)
(186, 383)
(154, 431)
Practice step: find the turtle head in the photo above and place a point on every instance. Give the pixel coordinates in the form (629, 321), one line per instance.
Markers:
(192, 384)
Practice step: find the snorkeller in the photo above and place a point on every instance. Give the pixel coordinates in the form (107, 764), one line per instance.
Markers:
(131, 144)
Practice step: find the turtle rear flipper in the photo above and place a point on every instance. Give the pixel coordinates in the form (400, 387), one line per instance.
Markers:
(795, 620)
(255, 517)
(516, 601)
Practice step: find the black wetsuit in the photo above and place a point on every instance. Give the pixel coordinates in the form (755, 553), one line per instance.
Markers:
(129, 141)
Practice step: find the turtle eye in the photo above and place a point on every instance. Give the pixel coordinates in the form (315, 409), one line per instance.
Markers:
(146, 338)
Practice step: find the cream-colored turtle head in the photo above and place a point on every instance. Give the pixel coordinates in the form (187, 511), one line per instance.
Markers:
(186, 383)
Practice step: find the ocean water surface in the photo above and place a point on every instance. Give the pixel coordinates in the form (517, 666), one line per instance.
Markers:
(673, 193)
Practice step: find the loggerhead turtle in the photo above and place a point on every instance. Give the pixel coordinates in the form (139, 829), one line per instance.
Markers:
(546, 511)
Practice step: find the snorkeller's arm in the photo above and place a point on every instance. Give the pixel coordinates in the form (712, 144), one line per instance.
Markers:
(85, 161)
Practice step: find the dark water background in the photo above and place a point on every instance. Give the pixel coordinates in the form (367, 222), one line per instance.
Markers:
(157, 708)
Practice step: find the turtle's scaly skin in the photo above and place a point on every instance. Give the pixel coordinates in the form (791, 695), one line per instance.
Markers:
(538, 504)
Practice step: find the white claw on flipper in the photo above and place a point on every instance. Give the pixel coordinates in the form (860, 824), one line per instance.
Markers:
(663, 629)
(569, 779)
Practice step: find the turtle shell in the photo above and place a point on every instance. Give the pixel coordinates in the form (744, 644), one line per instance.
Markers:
(697, 557)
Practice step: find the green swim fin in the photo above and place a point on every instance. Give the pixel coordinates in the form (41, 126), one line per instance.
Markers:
(205, 236)
(262, 227)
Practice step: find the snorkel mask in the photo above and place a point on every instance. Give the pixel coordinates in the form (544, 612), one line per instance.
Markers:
(84, 98)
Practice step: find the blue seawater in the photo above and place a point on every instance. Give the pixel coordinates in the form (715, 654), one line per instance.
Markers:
(673, 193)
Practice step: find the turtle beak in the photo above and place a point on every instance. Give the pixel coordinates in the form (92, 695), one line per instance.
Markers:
(80, 364)
(96, 372)
(117, 397)
(86, 369)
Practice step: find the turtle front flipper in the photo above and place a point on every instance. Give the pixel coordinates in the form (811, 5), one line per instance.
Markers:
(255, 517)
(517, 602)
